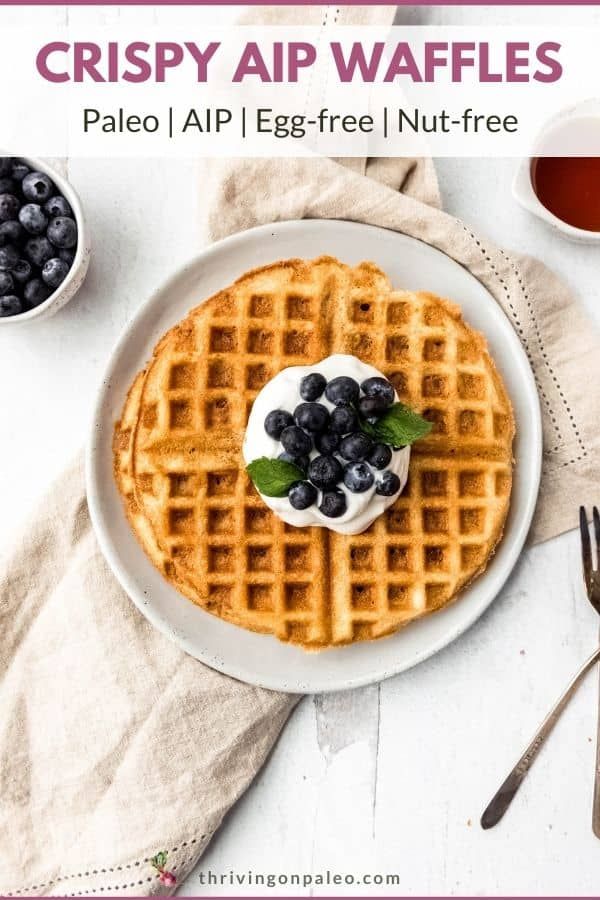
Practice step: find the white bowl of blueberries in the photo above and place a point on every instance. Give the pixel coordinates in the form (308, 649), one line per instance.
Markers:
(44, 245)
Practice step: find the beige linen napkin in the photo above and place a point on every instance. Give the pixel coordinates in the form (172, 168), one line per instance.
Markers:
(114, 744)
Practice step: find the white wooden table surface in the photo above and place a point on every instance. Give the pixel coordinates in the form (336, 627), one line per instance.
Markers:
(390, 778)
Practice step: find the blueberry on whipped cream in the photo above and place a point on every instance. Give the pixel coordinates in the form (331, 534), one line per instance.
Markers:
(328, 444)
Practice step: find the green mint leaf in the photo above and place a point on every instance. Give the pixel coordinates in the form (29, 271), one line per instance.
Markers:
(274, 477)
(400, 426)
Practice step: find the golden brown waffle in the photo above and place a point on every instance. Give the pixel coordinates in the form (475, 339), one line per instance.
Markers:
(179, 467)
(443, 528)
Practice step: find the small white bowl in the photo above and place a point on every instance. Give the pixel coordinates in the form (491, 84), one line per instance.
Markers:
(80, 264)
(567, 134)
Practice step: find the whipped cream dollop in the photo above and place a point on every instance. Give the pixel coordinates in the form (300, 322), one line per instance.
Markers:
(283, 392)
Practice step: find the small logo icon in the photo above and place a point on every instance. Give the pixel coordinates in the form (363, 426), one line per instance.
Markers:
(159, 862)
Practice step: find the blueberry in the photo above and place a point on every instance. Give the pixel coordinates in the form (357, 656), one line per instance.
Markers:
(33, 218)
(8, 185)
(356, 447)
(276, 421)
(36, 292)
(62, 231)
(342, 390)
(8, 257)
(11, 232)
(311, 416)
(19, 169)
(343, 419)
(302, 495)
(371, 407)
(358, 477)
(325, 471)
(5, 165)
(327, 442)
(57, 206)
(21, 271)
(10, 306)
(67, 255)
(312, 386)
(39, 250)
(7, 284)
(389, 484)
(379, 387)
(333, 504)
(380, 456)
(37, 187)
(300, 461)
(296, 441)
(9, 207)
(54, 272)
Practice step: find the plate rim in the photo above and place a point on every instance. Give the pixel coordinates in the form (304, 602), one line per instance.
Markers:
(128, 581)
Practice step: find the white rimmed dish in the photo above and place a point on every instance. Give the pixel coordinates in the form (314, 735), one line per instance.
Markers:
(261, 659)
(76, 275)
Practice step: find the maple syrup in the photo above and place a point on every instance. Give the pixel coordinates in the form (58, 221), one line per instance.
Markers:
(569, 187)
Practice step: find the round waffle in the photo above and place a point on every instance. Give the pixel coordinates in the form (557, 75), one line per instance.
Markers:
(179, 467)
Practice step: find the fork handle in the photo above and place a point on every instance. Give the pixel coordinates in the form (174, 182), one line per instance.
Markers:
(509, 787)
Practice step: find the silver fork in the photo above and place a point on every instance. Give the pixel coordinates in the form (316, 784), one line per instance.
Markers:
(509, 787)
(592, 583)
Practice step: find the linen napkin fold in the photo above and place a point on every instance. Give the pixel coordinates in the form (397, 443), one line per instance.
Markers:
(402, 194)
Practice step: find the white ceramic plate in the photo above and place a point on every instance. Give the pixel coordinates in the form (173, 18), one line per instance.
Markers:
(261, 659)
